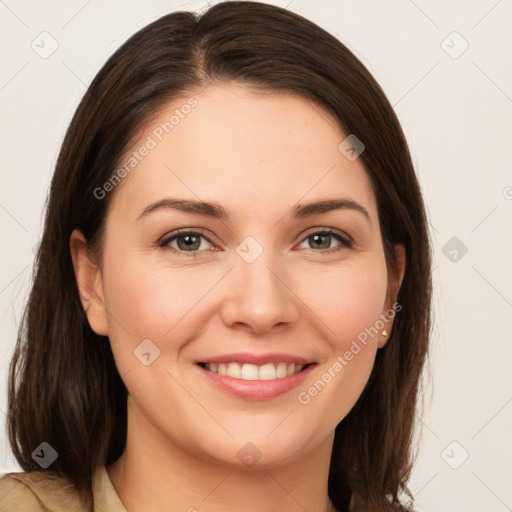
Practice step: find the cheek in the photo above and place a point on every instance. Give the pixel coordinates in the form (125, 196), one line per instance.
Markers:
(360, 304)
(349, 304)
(347, 300)
(146, 301)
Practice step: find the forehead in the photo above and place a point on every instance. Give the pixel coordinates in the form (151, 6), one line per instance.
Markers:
(250, 151)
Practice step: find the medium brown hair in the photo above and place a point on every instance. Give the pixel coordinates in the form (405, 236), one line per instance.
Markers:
(64, 387)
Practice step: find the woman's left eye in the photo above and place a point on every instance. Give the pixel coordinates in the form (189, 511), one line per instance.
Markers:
(324, 238)
(191, 241)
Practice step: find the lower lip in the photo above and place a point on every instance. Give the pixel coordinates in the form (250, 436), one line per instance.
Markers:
(257, 389)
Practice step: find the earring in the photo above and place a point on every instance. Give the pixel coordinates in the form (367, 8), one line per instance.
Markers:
(385, 333)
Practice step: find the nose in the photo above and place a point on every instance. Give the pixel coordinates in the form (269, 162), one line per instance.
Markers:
(259, 298)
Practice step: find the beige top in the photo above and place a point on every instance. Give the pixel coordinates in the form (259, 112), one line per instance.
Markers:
(39, 492)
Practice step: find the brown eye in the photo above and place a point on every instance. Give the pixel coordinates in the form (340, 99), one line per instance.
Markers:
(322, 240)
(186, 242)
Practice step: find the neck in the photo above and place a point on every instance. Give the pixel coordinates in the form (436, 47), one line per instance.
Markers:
(156, 474)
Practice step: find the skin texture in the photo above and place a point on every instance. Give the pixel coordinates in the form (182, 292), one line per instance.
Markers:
(258, 155)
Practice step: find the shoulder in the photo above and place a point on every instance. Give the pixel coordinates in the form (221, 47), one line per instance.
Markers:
(37, 491)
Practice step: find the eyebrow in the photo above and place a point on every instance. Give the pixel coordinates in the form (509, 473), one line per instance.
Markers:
(216, 211)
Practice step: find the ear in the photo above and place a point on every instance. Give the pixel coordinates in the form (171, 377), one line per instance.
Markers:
(395, 279)
(90, 284)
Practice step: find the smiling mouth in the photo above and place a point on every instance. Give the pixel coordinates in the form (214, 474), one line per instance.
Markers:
(268, 371)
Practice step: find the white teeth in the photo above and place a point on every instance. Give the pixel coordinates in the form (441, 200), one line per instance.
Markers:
(234, 370)
(267, 371)
(249, 372)
(282, 370)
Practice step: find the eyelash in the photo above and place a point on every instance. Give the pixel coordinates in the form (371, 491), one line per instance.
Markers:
(345, 242)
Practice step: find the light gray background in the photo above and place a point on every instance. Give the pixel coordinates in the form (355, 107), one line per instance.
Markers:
(457, 116)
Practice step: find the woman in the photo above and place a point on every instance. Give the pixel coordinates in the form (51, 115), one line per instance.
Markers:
(231, 302)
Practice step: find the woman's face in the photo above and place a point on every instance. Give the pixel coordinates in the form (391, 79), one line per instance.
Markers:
(262, 284)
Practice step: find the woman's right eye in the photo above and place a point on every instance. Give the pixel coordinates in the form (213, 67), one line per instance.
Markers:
(186, 242)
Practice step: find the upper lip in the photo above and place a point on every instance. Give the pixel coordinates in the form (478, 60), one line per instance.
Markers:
(256, 359)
